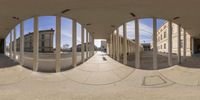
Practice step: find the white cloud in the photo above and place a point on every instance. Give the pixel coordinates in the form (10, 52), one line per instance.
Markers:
(97, 42)
(145, 31)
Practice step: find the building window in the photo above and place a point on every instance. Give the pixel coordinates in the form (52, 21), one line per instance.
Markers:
(42, 36)
(165, 34)
(42, 44)
(164, 46)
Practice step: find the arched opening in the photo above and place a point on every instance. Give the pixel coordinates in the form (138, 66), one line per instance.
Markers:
(59, 44)
(171, 47)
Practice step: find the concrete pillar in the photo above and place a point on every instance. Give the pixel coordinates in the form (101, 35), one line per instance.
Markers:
(111, 46)
(127, 46)
(114, 49)
(185, 46)
(22, 43)
(87, 44)
(35, 44)
(107, 48)
(155, 49)
(90, 45)
(14, 45)
(179, 44)
(58, 43)
(132, 47)
(82, 44)
(10, 54)
(74, 48)
(93, 46)
(137, 45)
(192, 45)
(124, 44)
(170, 43)
(113, 37)
(92, 41)
(117, 44)
(119, 47)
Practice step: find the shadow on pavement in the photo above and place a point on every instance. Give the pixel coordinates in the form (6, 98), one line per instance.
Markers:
(6, 61)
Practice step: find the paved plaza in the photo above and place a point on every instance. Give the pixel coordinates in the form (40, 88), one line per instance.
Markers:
(99, 78)
(146, 60)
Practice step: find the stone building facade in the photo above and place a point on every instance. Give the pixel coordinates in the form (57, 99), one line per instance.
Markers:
(45, 41)
(162, 40)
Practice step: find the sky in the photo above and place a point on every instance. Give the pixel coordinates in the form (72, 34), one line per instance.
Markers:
(97, 42)
(48, 22)
(145, 29)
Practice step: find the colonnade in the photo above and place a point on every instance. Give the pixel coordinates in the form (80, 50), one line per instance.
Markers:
(89, 44)
(121, 45)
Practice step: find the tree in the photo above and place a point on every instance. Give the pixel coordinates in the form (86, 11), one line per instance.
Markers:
(65, 46)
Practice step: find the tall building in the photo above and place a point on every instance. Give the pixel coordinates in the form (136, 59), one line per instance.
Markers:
(45, 41)
(162, 40)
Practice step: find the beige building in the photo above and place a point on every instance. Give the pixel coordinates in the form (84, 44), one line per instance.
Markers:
(45, 41)
(162, 40)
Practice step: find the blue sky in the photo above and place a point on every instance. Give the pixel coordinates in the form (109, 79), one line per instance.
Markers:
(48, 22)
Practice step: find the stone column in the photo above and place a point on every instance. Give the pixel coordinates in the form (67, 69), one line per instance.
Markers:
(155, 49)
(111, 46)
(137, 45)
(185, 46)
(127, 46)
(87, 44)
(124, 44)
(114, 49)
(10, 54)
(82, 44)
(93, 46)
(179, 44)
(170, 43)
(119, 47)
(22, 43)
(117, 44)
(14, 49)
(74, 48)
(35, 44)
(90, 45)
(192, 45)
(107, 47)
(58, 43)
